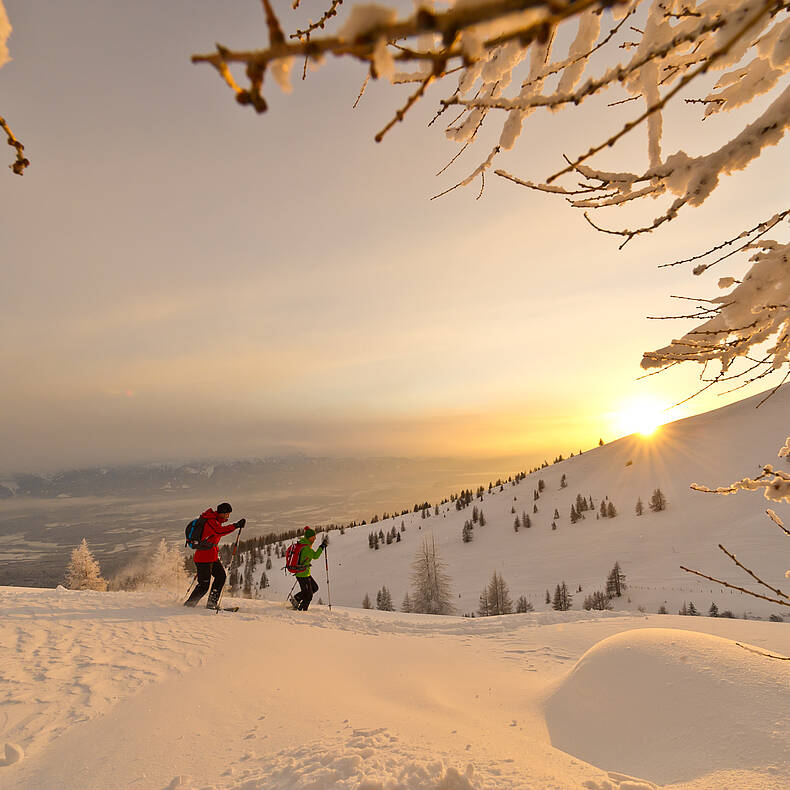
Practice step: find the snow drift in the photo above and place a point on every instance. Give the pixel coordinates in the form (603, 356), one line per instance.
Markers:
(672, 705)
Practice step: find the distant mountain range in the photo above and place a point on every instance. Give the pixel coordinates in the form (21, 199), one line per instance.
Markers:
(216, 477)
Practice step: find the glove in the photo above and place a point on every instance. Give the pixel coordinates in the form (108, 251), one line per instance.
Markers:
(240, 523)
(325, 542)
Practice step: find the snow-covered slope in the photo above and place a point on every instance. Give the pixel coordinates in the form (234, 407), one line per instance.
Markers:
(131, 690)
(714, 449)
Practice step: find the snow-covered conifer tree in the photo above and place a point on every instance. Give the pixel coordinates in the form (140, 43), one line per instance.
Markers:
(83, 572)
(166, 570)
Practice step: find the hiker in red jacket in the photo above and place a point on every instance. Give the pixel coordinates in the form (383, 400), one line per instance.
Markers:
(207, 556)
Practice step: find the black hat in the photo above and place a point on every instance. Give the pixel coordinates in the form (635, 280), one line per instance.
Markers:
(224, 508)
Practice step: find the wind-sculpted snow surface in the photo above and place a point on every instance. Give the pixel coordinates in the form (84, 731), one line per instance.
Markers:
(131, 690)
(673, 706)
(68, 656)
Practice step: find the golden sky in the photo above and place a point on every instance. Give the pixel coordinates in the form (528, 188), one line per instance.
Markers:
(183, 278)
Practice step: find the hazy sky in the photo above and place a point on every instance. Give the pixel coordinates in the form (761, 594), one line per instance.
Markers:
(184, 278)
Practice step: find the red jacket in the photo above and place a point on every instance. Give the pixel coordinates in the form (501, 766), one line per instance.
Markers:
(213, 530)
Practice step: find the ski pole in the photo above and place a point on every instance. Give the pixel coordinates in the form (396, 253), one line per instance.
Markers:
(191, 584)
(328, 591)
(230, 566)
(288, 597)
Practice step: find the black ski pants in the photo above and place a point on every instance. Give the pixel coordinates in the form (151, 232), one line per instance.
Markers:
(205, 570)
(307, 588)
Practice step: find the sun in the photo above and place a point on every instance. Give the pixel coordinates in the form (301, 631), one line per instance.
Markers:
(641, 416)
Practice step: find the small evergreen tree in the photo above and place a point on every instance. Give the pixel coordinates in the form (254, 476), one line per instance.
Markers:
(406, 605)
(366, 602)
(523, 605)
(658, 501)
(384, 600)
(467, 533)
(574, 515)
(615, 582)
(83, 572)
(599, 601)
(495, 599)
(534, 509)
(563, 600)
(483, 605)
(525, 522)
(603, 509)
(516, 524)
(482, 519)
(563, 482)
(556, 513)
(714, 610)
(548, 597)
(692, 610)
(640, 508)
(264, 583)
(430, 583)
(611, 510)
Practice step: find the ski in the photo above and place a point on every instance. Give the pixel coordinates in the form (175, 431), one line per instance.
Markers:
(225, 608)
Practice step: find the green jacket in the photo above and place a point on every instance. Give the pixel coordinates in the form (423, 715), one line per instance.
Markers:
(306, 556)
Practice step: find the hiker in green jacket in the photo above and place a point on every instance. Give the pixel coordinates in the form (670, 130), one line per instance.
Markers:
(307, 584)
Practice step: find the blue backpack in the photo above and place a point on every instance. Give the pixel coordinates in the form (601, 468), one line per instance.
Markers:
(194, 534)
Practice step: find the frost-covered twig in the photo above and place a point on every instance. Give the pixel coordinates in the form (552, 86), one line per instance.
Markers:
(760, 227)
(734, 586)
(751, 573)
(368, 25)
(778, 521)
(775, 485)
(325, 17)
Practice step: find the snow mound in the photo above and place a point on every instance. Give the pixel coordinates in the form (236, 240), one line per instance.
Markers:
(636, 698)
